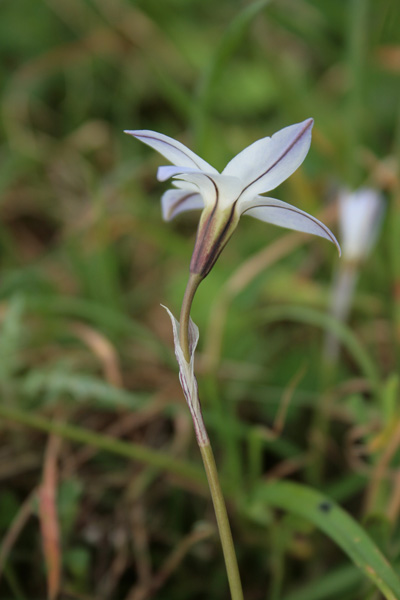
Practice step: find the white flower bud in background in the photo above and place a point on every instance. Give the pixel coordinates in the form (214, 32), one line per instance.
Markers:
(360, 219)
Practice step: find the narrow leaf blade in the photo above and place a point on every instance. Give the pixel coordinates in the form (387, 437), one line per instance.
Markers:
(336, 524)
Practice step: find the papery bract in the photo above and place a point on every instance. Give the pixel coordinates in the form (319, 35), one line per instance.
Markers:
(186, 375)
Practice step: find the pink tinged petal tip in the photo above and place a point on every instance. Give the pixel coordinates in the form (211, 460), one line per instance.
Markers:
(285, 215)
(171, 149)
(268, 162)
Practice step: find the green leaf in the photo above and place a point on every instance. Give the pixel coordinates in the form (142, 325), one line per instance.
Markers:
(50, 385)
(77, 561)
(332, 585)
(336, 524)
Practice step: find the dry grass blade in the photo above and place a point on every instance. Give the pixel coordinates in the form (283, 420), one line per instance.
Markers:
(171, 564)
(15, 528)
(382, 469)
(48, 517)
(103, 349)
(122, 426)
(141, 544)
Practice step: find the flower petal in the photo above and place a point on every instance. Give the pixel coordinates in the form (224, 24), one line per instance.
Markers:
(185, 185)
(166, 172)
(173, 150)
(269, 161)
(174, 202)
(215, 189)
(283, 214)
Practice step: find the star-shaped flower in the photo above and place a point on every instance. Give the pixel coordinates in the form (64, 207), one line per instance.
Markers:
(224, 197)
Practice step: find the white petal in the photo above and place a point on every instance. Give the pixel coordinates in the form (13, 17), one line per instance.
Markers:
(166, 172)
(173, 150)
(283, 214)
(214, 189)
(269, 161)
(185, 185)
(174, 202)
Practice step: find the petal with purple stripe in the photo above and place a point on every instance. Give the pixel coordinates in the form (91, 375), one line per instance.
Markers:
(174, 202)
(173, 150)
(268, 162)
(286, 215)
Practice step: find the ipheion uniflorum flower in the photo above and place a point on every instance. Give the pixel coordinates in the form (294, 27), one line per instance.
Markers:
(225, 197)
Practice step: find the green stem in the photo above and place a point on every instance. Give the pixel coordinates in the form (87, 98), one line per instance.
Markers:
(192, 285)
(342, 296)
(222, 522)
(207, 455)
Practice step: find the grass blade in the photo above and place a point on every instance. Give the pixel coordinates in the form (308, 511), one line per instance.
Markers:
(337, 525)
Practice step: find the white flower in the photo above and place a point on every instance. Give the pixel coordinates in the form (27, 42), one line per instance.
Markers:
(225, 196)
(360, 218)
(186, 375)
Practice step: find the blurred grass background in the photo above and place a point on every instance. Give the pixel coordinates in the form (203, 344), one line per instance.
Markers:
(94, 433)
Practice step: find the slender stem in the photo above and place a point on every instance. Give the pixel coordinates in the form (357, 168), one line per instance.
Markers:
(191, 287)
(342, 296)
(207, 455)
(222, 522)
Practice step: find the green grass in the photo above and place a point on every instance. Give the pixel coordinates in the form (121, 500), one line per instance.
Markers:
(86, 353)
